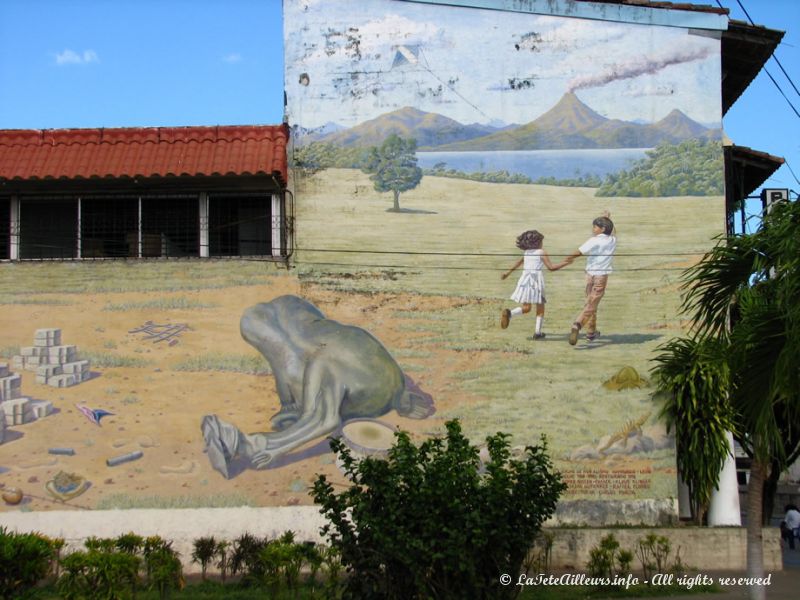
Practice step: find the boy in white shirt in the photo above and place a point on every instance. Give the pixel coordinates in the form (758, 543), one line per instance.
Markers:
(599, 252)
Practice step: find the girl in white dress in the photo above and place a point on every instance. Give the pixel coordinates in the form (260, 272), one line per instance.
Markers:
(530, 287)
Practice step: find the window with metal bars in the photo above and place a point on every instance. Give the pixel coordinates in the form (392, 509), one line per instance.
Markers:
(48, 228)
(239, 225)
(5, 228)
(107, 225)
(170, 226)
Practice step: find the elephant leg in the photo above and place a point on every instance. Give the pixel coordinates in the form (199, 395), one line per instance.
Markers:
(322, 398)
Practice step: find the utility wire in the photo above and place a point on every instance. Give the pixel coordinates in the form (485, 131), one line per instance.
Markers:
(744, 10)
(500, 254)
(466, 268)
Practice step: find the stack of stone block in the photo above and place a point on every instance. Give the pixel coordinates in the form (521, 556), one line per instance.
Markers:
(54, 364)
(16, 409)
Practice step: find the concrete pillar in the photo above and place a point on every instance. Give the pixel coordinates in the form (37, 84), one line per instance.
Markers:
(203, 224)
(724, 507)
(13, 247)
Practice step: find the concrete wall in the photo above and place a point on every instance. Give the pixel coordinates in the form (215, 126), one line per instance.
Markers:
(702, 548)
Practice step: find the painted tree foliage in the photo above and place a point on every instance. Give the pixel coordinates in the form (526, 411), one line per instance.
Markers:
(691, 168)
(392, 167)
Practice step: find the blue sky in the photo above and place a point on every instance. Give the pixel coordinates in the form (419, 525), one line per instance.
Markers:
(109, 63)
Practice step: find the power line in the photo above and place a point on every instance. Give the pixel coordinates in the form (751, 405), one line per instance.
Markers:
(463, 268)
(785, 97)
(478, 254)
(788, 166)
(744, 10)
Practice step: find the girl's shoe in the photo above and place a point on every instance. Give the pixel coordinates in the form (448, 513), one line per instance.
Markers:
(539, 336)
(505, 317)
(590, 337)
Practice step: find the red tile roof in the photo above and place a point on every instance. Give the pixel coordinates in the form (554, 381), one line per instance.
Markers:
(143, 152)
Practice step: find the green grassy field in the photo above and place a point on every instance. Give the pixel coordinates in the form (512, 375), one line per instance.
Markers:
(458, 237)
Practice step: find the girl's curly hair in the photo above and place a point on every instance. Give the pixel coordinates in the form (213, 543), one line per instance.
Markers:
(530, 240)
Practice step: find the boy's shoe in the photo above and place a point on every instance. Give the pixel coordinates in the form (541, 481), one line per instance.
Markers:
(573, 336)
(590, 337)
(539, 336)
(505, 317)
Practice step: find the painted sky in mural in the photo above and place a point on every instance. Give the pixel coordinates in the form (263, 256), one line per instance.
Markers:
(423, 56)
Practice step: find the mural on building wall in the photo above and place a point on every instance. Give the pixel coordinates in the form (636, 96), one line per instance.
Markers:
(448, 165)
(502, 158)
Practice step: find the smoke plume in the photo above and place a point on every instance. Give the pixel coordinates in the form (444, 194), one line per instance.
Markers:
(637, 67)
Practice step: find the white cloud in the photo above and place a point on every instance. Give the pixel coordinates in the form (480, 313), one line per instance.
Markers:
(70, 57)
(233, 57)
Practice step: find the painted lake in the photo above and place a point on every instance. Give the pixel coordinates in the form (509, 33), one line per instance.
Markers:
(561, 164)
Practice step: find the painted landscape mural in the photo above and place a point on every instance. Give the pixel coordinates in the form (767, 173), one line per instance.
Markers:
(456, 172)
(461, 157)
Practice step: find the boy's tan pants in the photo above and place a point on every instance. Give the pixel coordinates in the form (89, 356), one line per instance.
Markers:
(595, 289)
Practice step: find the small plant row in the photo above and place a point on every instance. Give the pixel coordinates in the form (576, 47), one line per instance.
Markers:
(609, 561)
(274, 564)
(118, 568)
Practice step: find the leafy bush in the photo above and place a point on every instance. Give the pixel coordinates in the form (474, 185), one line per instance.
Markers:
(98, 574)
(24, 560)
(431, 522)
(204, 551)
(654, 552)
(165, 570)
(608, 560)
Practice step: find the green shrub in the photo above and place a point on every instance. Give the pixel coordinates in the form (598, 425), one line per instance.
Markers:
(98, 574)
(429, 521)
(204, 550)
(608, 561)
(164, 570)
(24, 560)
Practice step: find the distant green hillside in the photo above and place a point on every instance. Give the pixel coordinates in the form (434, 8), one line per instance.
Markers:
(691, 168)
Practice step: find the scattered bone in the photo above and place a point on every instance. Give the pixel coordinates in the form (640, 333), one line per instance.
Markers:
(183, 469)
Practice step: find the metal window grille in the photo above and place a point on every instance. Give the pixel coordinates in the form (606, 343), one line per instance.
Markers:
(5, 228)
(240, 224)
(170, 226)
(156, 225)
(109, 226)
(48, 228)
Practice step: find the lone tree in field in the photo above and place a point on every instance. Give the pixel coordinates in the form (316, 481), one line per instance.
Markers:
(392, 167)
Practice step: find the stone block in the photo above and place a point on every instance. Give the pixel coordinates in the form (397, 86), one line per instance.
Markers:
(17, 362)
(58, 355)
(47, 337)
(31, 363)
(49, 370)
(77, 368)
(41, 408)
(27, 351)
(60, 381)
(3, 369)
(10, 386)
(17, 411)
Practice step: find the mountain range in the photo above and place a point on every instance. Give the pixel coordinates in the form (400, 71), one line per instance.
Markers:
(570, 124)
